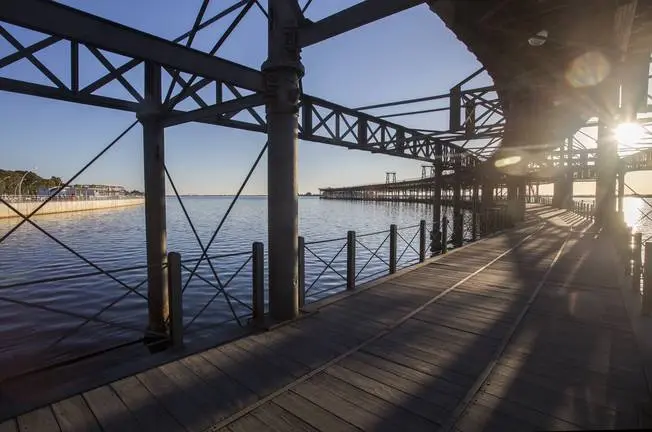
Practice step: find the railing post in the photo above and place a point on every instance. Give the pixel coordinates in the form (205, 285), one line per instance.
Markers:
(301, 250)
(444, 235)
(350, 260)
(627, 249)
(458, 230)
(392, 248)
(175, 299)
(647, 280)
(636, 261)
(258, 283)
(423, 233)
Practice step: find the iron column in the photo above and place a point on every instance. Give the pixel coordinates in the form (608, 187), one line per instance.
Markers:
(282, 71)
(607, 162)
(621, 193)
(435, 241)
(458, 229)
(155, 229)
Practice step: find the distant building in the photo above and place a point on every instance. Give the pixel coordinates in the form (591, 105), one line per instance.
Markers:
(47, 191)
(99, 191)
(84, 191)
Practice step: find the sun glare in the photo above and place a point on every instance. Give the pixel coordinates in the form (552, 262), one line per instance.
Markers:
(507, 161)
(629, 134)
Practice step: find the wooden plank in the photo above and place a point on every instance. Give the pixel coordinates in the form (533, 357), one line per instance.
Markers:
(399, 372)
(469, 361)
(600, 395)
(174, 400)
(208, 401)
(278, 419)
(222, 386)
(493, 330)
(311, 355)
(247, 423)
(539, 420)
(341, 408)
(73, 414)
(411, 403)
(345, 318)
(435, 391)
(315, 416)
(468, 364)
(478, 417)
(146, 409)
(40, 420)
(9, 426)
(251, 378)
(559, 368)
(110, 411)
(425, 367)
(269, 376)
(443, 336)
(558, 404)
(310, 342)
(347, 338)
(278, 358)
(389, 412)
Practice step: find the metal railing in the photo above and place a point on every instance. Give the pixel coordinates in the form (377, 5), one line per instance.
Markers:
(330, 266)
(202, 283)
(343, 266)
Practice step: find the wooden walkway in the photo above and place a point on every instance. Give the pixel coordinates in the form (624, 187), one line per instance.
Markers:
(523, 331)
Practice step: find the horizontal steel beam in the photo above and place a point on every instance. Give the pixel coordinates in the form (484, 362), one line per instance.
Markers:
(40, 90)
(356, 16)
(238, 104)
(55, 19)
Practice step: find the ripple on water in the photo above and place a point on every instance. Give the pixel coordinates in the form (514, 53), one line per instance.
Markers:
(48, 322)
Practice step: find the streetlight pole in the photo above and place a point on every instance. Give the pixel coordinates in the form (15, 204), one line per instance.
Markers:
(20, 183)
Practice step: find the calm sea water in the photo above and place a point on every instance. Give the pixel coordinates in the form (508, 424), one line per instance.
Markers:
(45, 322)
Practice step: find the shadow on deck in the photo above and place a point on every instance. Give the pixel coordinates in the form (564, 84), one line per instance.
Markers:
(522, 331)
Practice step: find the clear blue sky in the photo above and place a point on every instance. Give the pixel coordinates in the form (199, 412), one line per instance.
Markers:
(411, 54)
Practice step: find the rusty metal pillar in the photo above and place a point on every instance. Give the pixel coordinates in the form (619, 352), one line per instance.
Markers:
(282, 72)
(155, 226)
(458, 219)
(435, 237)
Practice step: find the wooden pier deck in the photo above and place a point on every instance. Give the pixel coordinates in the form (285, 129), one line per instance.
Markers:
(526, 330)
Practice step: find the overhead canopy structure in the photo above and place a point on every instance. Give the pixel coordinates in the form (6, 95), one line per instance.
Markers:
(554, 63)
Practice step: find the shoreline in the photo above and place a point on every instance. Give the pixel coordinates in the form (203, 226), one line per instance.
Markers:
(57, 207)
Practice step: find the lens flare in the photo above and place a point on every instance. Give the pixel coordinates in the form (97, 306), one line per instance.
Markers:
(507, 161)
(588, 70)
(629, 133)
